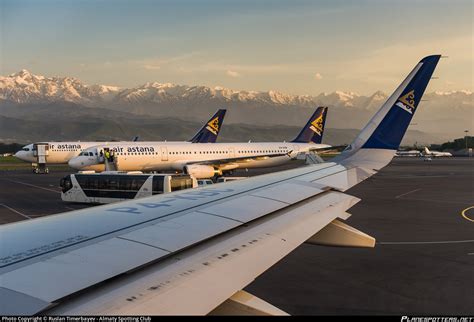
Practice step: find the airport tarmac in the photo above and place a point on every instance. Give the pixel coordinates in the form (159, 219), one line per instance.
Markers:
(423, 262)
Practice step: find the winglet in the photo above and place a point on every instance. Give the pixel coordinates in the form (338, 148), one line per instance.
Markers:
(313, 130)
(209, 132)
(387, 127)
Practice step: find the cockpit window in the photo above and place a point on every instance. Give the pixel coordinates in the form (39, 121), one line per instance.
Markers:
(25, 149)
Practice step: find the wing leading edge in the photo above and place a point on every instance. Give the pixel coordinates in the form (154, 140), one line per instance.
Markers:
(178, 246)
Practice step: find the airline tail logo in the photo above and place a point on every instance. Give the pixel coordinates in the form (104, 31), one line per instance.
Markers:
(213, 125)
(407, 102)
(317, 125)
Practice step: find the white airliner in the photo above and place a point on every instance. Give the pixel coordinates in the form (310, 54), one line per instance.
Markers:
(206, 160)
(410, 153)
(62, 152)
(194, 251)
(436, 154)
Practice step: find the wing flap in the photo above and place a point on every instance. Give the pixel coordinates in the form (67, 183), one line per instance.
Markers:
(291, 192)
(175, 285)
(182, 231)
(245, 208)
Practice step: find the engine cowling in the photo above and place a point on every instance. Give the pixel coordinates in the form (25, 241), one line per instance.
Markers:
(201, 171)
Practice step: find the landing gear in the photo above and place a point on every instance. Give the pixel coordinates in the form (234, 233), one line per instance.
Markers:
(41, 168)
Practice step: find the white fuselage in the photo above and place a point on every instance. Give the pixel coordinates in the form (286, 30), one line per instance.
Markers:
(437, 154)
(61, 152)
(411, 153)
(174, 156)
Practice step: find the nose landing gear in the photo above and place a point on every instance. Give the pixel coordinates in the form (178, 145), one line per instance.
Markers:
(40, 168)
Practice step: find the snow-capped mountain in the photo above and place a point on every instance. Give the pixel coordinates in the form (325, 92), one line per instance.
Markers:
(441, 112)
(24, 87)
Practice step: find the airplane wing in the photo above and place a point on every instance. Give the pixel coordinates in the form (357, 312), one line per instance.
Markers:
(221, 162)
(232, 163)
(193, 251)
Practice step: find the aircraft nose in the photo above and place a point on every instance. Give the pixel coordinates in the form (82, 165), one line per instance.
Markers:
(75, 163)
(19, 155)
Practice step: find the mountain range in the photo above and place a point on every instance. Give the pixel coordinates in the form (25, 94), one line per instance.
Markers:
(29, 97)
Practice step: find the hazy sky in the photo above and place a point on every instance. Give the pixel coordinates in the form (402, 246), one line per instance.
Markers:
(297, 47)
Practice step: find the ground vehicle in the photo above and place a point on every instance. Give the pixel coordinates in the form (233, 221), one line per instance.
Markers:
(226, 179)
(114, 186)
(204, 182)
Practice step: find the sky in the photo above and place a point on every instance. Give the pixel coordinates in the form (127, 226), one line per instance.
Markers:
(295, 47)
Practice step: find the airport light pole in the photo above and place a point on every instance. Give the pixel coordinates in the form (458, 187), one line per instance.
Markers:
(465, 137)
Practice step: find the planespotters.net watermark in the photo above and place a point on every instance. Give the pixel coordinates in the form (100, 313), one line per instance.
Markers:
(437, 318)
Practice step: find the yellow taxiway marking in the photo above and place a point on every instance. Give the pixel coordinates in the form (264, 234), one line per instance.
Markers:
(463, 213)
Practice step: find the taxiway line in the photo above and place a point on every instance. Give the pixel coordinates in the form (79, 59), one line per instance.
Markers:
(15, 211)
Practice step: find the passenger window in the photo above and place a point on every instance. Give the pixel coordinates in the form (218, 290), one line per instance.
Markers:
(157, 184)
(179, 183)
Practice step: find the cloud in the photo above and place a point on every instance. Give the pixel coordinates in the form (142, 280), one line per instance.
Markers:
(318, 76)
(151, 67)
(157, 63)
(232, 73)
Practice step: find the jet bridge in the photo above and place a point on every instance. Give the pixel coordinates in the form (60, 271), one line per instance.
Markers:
(41, 152)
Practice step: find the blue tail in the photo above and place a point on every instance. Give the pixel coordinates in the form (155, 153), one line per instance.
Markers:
(387, 127)
(209, 132)
(313, 130)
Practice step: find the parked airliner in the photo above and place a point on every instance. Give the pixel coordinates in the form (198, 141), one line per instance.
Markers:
(410, 153)
(206, 160)
(436, 154)
(62, 152)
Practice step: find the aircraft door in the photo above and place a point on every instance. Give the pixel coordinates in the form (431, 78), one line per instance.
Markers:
(99, 152)
(232, 152)
(164, 153)
(41, 150)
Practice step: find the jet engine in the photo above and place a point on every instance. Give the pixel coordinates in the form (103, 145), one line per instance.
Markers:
(201, 171)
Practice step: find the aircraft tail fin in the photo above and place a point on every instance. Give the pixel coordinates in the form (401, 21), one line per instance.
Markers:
(427, 151)
(209, 132)
(314, 129)
(377, 143)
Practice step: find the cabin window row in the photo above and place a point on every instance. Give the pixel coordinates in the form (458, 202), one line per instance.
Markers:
(188, 152)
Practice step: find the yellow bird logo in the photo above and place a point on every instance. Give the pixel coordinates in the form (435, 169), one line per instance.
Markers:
(317, 125)
(213, 125)
(407, 102)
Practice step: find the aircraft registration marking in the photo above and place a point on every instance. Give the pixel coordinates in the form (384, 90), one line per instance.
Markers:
(191, 196)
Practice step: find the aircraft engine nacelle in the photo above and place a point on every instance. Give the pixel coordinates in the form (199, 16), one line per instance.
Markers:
(201, 171)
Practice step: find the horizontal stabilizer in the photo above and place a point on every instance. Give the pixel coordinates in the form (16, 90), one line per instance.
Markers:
(338, 233)
(243, 303)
